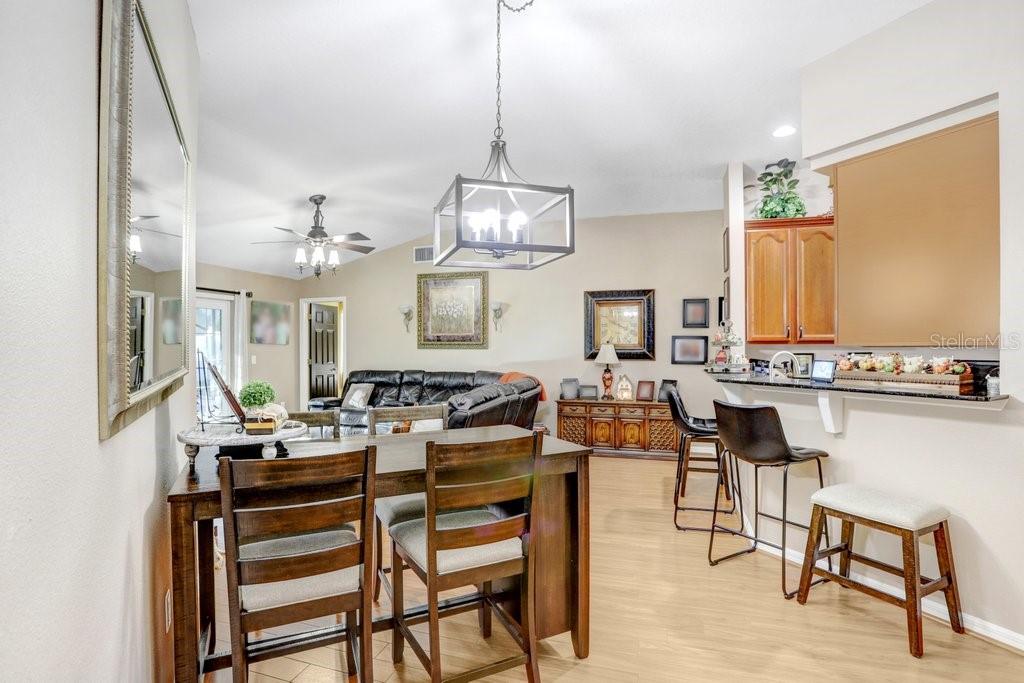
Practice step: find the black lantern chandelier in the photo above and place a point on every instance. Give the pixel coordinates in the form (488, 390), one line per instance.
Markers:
(499, 220)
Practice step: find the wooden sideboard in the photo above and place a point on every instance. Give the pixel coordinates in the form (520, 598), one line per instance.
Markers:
(626, 427)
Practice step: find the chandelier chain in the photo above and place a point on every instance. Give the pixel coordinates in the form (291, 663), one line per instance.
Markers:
(498, 130)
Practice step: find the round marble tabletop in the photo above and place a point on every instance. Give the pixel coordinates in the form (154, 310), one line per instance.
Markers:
(226, 435)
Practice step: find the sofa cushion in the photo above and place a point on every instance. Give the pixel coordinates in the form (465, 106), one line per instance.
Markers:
(357, 396)
(353, 418)
(385, 383)
(438, 387)
(483, 377)
(411, 391)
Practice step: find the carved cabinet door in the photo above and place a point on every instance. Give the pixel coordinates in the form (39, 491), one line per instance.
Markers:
(602, 432)
(631, 434)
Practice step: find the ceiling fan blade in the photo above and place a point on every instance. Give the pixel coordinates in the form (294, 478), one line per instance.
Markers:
(350, 237)
(355, 247)
(297, 234)
(278, 242)
(136, 219)
(159, 232)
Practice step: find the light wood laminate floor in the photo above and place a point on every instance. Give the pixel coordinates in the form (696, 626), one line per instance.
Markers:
(660, 613)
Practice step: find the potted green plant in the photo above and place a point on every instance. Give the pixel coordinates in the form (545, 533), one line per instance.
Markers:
(255, 395)
(778, 187)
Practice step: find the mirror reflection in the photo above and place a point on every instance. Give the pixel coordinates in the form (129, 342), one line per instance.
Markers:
(156, 226)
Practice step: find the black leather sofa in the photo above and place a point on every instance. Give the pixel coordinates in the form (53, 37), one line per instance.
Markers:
(475, 399)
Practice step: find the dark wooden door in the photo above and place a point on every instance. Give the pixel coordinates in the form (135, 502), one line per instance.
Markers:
(323, 350)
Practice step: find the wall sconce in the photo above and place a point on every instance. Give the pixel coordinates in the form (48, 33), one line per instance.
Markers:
(496, 310)
(406, 311)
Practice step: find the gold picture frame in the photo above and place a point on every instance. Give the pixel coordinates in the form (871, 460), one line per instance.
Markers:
(451, 311)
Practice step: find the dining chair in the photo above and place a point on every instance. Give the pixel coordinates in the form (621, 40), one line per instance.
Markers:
(457, 545)
(320, 418)
(396, 509)
(293, 553)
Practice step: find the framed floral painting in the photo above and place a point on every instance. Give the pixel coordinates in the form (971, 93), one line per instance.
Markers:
(452, 310)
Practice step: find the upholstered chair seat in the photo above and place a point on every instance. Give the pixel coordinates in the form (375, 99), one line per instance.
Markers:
(397, 509)
(897, 511)
(412, 536)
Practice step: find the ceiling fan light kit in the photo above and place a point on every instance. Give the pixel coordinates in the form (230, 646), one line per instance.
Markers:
(324, 248)
(499, 220)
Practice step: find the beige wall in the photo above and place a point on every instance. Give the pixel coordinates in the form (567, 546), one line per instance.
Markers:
(678, 255)
(968, 460)
(277, 364)
(84, 537)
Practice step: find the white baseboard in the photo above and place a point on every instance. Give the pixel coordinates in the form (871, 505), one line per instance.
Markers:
(931, 605)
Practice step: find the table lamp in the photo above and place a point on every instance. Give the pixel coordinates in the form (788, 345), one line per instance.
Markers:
(608, 357)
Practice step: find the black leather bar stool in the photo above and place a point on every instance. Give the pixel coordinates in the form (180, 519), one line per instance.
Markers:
(754, 434)
(694, 430)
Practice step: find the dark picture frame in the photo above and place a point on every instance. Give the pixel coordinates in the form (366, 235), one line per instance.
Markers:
(604, 308)
(725, 250)
(696, 312)
(685, 352)
(804, 360)
(722, 313)
(645, 390)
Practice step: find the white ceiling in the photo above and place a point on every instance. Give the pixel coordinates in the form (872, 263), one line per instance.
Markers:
(637, 105)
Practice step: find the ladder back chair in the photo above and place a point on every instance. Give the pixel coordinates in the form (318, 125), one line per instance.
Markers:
(396, 509)
(320, 418)
(293, 554)
(459, 544)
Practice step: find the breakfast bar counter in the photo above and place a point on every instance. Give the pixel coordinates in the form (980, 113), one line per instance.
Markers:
(831, 396)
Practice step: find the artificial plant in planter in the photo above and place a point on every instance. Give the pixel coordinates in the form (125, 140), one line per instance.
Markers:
(255, 395)
(778, 187)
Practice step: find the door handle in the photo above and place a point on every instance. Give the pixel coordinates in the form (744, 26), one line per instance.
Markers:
(787, 330)
(800, 332)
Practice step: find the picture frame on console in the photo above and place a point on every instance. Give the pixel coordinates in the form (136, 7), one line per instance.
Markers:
(623, 318)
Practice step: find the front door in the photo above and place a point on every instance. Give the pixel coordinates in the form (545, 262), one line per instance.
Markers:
(213, 345)
(323, 350)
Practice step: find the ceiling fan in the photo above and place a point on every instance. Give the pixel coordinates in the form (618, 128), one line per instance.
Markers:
(135, 240)
(325, 247)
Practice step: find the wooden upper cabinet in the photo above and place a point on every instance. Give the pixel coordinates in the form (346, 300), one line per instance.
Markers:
(815, 273)
(768, 275)
(791, 281)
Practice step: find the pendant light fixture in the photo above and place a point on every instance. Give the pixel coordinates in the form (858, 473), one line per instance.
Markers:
(499, 220)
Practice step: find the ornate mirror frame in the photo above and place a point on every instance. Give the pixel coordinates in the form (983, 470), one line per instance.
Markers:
(118, 406)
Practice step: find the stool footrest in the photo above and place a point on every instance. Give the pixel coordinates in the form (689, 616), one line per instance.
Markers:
(850, 583)
(877, 564)
(829, 551)
(934, 585)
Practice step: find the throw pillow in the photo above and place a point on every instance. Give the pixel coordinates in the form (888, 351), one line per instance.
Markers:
(435, 425)
(357, 397)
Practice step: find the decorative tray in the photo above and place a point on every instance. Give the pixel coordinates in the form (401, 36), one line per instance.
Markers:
(947, 383)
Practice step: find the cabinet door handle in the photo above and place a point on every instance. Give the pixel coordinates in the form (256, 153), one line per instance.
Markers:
(800, 332)
(787, 330)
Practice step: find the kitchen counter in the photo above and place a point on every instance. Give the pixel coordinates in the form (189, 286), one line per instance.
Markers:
(831, 396)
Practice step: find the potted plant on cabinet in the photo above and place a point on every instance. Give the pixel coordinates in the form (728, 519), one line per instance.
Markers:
(779, 198)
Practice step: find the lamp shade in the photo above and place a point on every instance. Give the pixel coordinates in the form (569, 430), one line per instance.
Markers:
(607, 355)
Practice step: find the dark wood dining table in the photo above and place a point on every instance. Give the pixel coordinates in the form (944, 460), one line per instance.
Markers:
(563, 539)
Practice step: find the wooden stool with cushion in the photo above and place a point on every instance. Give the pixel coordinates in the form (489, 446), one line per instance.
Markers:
(293, 554)
(458, 544)
(905, 517)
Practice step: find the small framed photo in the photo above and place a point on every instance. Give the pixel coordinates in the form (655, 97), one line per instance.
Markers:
(804, 363)
(695, 312)
(725, 250)
(645, 390)
(689, 350)
(588, 391)
(570, 389)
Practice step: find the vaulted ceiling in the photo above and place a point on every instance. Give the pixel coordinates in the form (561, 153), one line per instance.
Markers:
(378, 105)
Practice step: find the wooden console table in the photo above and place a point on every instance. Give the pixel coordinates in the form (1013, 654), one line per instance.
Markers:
(627, 427)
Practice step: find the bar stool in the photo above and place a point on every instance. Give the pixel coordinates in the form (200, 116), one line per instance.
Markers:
(754, 434)
(694, 430)
(905, 517)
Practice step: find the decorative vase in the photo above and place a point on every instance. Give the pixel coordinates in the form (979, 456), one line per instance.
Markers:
(722, 357)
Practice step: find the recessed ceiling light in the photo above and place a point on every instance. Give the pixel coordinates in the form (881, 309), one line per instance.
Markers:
(784, 131)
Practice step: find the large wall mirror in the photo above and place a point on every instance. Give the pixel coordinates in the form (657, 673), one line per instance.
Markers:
(143, 224)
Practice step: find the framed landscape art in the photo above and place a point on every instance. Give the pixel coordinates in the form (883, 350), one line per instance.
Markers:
(452, 310)
(623, 318)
